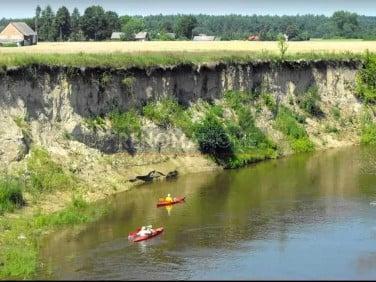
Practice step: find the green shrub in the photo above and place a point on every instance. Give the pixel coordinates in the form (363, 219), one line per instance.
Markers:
(128, 82)
(368, 134)
(286, 122)
(11, 196)
(269, 102)
(125, 122)
(366, 80)
(336, 113)
(235, 99)
(94, 123)
(282, 45)
(302, 145)
(169, 112)
(212, 139)
(160, 112)
(216, 110)
(309, 102)
(249, 143)
(74, 213)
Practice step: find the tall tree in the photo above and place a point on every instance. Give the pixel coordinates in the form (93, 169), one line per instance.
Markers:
(292, 31)
(133, 26)
(76, 31)
(93, 23)
(346, 23)
(112, 23)
(37, 16)
(47, 25)
(185, 25)
(63, 23)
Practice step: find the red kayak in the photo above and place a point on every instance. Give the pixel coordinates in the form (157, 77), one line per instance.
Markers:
(175, 201)
(137, 238)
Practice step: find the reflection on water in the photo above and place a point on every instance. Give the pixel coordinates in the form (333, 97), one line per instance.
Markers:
(168, 209)
(302, 217)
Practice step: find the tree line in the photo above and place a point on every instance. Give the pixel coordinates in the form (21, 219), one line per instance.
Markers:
(96, 24)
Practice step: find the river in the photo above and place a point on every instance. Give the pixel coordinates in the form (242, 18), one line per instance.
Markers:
(309, 216)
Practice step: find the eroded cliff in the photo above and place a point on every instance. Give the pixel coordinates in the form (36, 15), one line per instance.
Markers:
(49, 107)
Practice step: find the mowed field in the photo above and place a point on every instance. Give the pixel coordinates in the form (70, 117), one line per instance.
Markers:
(336, 46)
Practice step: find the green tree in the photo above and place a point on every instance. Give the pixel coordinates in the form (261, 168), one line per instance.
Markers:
(213, 139)
(63, 23)
(47, 25)
(304, 35)
(346, 23)
(112, 23)
(93, 23)
(133, 26)
(37, 17)
(185, 25)
(167, 26)
(292, 31)
(76, 32)
(123, 21)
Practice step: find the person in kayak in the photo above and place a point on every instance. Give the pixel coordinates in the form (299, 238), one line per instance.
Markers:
(150, 229)
(145, 230)
(169, 198)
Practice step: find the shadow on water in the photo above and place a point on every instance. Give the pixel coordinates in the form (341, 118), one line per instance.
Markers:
(235, 222)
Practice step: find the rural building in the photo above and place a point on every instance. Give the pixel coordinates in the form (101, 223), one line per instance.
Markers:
(254, 37)
(116, 35)
(203, 37)
(20, 33)
(142, 36)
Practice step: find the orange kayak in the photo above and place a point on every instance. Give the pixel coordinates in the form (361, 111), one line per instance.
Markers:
(137, 238)
(175, 201)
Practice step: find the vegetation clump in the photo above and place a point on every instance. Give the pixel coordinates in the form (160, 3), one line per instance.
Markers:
(366, 80)
(125, 123)
(287, 123)
(11, 194)
(368, 136)
(309, 102)
(46, 175)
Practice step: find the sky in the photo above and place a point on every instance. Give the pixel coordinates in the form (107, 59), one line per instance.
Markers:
(18, 9)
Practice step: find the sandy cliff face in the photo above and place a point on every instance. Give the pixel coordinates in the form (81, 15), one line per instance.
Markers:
(43, 105)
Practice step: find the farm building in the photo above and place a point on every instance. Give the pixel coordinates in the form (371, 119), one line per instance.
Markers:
(254, 37)
(116, 35)
(203, 37)
(142, 36)
(20, 33)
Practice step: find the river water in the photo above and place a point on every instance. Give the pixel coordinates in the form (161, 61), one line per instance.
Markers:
(310, 216)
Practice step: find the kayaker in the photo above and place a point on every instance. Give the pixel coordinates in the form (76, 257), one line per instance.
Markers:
(149, 228)
(144, 231)
(169, 198)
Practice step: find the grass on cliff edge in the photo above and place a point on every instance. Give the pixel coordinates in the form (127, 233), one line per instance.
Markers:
(149, 59)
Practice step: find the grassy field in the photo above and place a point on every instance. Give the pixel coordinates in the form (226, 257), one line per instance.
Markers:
(315, 46)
